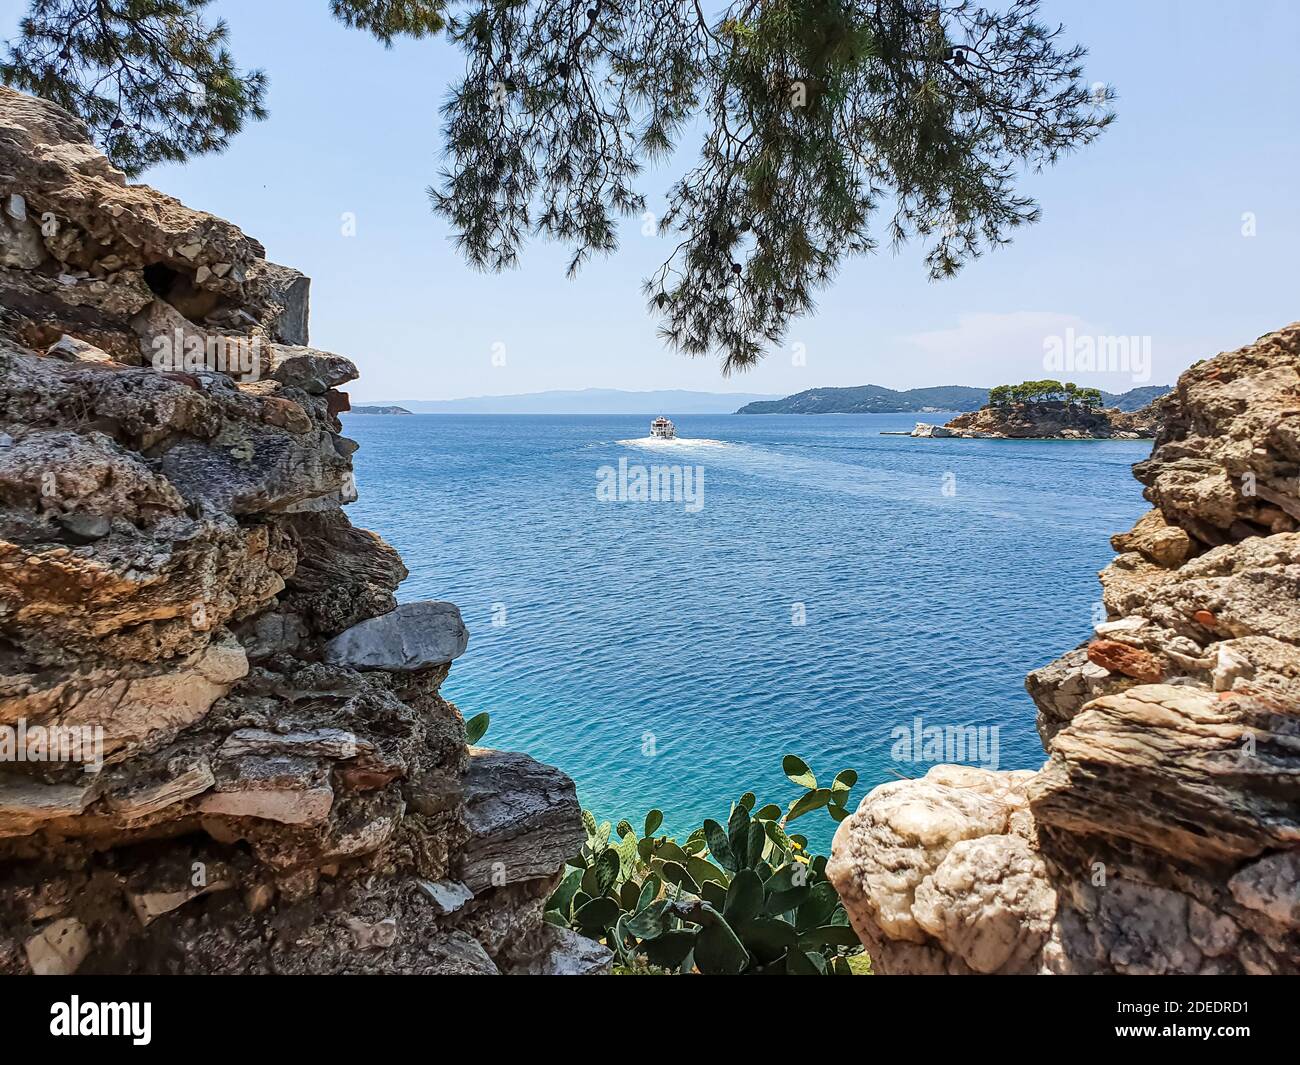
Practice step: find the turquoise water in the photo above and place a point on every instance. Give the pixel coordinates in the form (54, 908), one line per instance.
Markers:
(650, 648)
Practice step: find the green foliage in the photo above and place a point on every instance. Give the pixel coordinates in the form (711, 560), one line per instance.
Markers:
(476, 727)
(389, 19)
(1088, 398)
(1046, 391)
(811, 117)
(150, 78)
(744, 897)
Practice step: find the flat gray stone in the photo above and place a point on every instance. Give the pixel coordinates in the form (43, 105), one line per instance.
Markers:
(566, 953)
(458, 954)
(411, 637)
(290, 291)
(522, 819)
(447, 896)
(311, 370)
(149, 799)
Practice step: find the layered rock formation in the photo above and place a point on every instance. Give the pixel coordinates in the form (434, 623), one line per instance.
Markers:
(1046, 420)
(1163, 833)
(222, 743)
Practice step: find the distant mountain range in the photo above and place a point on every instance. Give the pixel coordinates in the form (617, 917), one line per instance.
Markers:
(863, 399)
(875, 399)
(586, 401)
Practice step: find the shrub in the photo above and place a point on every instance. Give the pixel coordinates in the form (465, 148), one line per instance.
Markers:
(746, 897)
(1046, 391)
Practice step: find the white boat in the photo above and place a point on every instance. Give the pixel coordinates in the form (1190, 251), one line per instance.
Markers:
(662, 429)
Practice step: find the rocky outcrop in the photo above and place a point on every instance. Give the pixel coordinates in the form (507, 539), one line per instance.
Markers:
(1163, 833)
(223, 747)
(1045, 420)
(410, 637)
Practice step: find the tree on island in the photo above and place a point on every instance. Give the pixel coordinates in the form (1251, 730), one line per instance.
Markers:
(1029, 393)
(813, 116)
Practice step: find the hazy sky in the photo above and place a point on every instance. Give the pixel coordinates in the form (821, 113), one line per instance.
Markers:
(1141, 232)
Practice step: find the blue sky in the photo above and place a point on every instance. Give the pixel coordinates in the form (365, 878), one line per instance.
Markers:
(1141, 233)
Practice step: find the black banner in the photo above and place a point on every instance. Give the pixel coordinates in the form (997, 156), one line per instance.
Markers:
(206, 1014)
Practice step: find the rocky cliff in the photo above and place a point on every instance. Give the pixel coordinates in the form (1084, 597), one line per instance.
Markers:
(1163, 833)
(222, 743)
(1046, 420)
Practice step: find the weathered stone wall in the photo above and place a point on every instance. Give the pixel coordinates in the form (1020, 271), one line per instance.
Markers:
(282, 786)
(1163, 833)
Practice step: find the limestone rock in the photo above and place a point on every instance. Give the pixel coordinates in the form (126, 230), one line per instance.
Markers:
(460, 955)
(72, 349)
(1172, 768)
(173, 559)
(134, 705)
(149, 798)
(1224, 464)
(81, 528)
(1245, 589)
(1061, 688)
(1156, 540)
(522, 819)
(413, 636)
(59, 948)
(272, 633)
(21, 246)
(344, 574)
(311, 370)
(1271, 886)
(1116, 657)
(1044, 420)
(566, 953)
(26, 802)
(160, 890)
(284, 297)
(901, 834)
(1163, 833)
(989, 902)
(378, 936)
(447, 896)
(65, 473)
(293, 791)
(260, 469)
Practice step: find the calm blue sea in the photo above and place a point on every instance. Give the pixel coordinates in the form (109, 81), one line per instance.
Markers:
(652, 649)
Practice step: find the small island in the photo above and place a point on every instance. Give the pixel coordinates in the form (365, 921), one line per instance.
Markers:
(1046, 410)
(380, 410)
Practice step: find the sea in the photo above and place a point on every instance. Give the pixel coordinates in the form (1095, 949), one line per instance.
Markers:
(665, 621)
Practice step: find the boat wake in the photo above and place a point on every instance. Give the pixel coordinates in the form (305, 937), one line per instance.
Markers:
(827, 475)
(656, 443)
